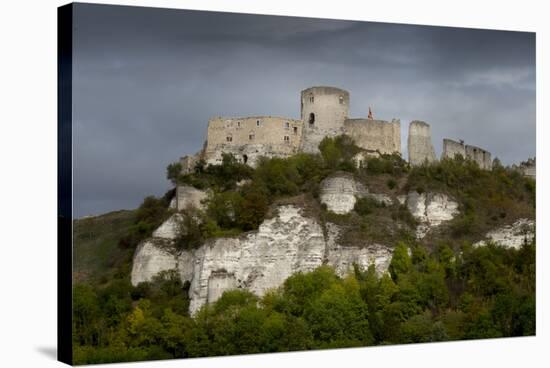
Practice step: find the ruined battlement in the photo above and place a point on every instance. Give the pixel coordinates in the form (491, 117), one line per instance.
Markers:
(453, 148)
(375, 135)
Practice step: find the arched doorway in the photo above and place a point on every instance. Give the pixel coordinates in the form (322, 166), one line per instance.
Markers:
(245, 159)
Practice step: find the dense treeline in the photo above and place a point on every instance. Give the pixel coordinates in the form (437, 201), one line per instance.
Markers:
(477, 293)
(439, 289)
(486, 198)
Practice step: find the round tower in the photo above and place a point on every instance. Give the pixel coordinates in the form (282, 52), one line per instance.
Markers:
(323, 111)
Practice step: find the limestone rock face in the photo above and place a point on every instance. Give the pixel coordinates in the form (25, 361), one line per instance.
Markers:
(511, 236)
(380, 198)
(169, 228)
(259, 261)
(284, 245)
(188, 196)
(343, 258)
(340, 193)
(150, 259)
(431, 209)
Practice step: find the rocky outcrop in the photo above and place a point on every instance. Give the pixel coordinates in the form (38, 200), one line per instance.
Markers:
(169, 228)
(341, 191)
(259, 261)
(511, 236)
(188, 196)
(151, 258)
(430, 209)
(283, 245)
(342, 258)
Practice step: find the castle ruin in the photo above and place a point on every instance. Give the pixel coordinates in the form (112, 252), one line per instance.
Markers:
(451, 149)
(419, 143)
(324, 112)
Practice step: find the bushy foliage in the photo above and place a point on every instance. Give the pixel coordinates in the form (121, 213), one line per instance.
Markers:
(391, 164)
(218, 177)
(476, 293)
(338, 152)
(366, 206)
(486, 197)
(149, 215)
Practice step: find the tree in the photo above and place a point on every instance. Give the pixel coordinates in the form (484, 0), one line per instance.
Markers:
(401, 262)
(173, 172)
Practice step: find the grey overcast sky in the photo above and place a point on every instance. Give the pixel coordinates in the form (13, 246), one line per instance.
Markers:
(147, 80)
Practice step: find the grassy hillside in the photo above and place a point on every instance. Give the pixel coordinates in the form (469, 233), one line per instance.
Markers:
(96, 245)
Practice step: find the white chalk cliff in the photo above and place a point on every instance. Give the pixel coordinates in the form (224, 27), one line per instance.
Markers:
(341, 191)
(511, 236)
(430, 209)
(258, 261)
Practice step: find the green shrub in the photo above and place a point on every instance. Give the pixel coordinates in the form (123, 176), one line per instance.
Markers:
(365, 206)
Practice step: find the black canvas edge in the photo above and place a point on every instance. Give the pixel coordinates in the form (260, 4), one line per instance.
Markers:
(64, 183)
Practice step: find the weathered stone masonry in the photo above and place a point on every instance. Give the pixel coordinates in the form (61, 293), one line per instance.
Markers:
(452, 148)
(323, 113)
(248, 138)
(419, 143)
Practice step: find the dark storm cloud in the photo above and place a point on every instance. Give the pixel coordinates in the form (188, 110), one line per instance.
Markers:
(147, 80)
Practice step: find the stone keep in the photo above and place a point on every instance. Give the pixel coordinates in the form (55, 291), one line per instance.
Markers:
(323, 111)
(419, 143)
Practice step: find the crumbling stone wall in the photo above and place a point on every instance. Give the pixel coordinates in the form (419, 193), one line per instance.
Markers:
(248, 138)
(323, 112)
(529, 168)
(479, 155)
(419, 143)
(482, 157)
(375, 135)
(453, 148)
(188, 163)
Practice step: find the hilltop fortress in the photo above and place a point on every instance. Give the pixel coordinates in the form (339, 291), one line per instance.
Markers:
(324, 112)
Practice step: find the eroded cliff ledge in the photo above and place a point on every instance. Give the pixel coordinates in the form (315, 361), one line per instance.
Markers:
(258, 261)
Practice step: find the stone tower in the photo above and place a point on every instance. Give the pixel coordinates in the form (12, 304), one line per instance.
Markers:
(420, 143)
(323, 111)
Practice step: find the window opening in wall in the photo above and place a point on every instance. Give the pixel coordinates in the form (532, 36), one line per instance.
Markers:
(311, 99)
(295, 130)
(287, 125)
(257, 123)
(238, 124)
(245, 158)
(251, 136)
(229, 138)
(311, 118)
(341, 100)
(287, 139)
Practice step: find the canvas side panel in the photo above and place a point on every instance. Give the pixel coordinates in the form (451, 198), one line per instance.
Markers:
(64, 183)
